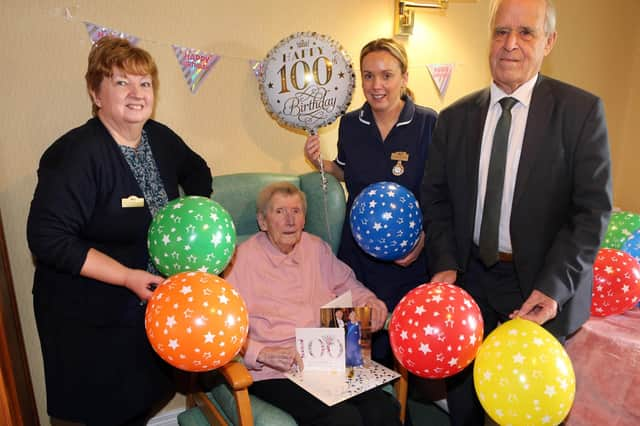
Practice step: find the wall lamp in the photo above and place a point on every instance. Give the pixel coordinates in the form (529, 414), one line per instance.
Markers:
(404, 13)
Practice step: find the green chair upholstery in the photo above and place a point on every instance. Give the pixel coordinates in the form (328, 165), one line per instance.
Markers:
(264, 414)
(325, 216)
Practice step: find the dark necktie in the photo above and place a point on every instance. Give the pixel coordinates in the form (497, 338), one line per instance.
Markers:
(489, 230)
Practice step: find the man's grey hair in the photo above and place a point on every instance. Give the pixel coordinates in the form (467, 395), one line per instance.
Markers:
(549, 16)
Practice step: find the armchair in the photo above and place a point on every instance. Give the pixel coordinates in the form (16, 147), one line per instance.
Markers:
(221, 397)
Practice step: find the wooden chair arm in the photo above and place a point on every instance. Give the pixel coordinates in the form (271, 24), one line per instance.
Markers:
(401, 387)
(238, 379)
(236, 375)
(211, 413)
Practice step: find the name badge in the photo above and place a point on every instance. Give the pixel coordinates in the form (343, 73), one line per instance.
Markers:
(132, 201)
(400, 156)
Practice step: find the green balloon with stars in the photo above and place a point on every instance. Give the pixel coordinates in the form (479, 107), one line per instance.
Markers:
(621, 226)
(191, 234)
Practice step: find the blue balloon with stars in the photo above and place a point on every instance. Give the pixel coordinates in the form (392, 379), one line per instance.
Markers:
(632, 245)
(386, 220)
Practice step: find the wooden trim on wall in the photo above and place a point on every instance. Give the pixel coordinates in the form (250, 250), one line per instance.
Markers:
(17, 403)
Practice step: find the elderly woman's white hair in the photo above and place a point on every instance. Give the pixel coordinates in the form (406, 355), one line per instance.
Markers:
(286, 188)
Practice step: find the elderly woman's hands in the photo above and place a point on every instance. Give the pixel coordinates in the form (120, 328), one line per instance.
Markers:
(379, 313)
(282, 358)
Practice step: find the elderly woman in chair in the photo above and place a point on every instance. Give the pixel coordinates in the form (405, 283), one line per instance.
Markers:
(285, 275)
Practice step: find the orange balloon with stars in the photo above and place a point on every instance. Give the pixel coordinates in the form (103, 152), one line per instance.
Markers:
(196, 321)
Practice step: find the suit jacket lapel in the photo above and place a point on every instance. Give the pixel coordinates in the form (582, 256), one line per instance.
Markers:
(535, 134)
(476, 116)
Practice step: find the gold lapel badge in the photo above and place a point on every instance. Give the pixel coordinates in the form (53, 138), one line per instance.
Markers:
(399, 156)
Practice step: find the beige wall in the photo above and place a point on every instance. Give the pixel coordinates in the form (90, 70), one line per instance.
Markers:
(599, 49)
(44, 58)
(626, 146)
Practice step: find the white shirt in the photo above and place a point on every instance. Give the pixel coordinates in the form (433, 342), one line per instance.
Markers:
(519, 114)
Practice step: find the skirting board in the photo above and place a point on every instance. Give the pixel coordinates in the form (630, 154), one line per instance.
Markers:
(170, 418)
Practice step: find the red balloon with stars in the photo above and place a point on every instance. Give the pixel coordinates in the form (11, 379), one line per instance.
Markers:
(436, 330)
(616, 282)
(196, 321)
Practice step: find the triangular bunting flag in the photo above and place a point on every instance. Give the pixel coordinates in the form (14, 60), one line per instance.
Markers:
(441, 74)
(256, 66)
(195, 65)
(97, 32)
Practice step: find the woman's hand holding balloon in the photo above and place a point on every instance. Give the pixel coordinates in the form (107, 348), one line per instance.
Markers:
(414, 253)
(104, 268)
(141, 282)
(312, 154)
(312, 149)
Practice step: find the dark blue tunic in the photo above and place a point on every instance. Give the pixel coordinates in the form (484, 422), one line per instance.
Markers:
(366, 159)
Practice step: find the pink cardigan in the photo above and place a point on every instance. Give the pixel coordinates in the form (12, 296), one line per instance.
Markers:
(285, 291)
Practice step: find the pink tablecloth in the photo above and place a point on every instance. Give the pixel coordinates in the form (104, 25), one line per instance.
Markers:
(606, 359)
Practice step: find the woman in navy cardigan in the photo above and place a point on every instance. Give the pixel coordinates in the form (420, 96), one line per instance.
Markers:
(99, 186)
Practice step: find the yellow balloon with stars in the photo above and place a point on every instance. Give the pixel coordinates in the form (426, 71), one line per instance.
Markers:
(523, 375)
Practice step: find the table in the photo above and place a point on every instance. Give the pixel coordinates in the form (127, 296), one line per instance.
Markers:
(606, 359)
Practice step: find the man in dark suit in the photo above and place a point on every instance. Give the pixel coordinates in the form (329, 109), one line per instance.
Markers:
(552, 193)
(338, 319)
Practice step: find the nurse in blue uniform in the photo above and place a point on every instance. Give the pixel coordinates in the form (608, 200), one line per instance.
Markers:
(385, 140)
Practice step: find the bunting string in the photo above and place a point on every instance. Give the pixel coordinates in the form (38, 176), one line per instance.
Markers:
(196, 64)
